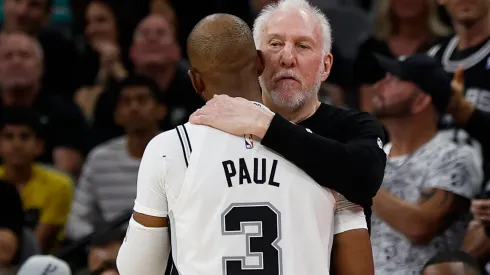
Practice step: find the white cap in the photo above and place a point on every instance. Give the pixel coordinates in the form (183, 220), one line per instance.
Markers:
(44, 265)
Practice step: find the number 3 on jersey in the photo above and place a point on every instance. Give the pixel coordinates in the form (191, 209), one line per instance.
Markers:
(261, 225)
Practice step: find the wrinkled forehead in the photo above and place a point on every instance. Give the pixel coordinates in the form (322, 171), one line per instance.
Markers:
(294, 25)
(17, 43)
(153, 23)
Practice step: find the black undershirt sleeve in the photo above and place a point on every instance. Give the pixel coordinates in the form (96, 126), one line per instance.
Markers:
(478, 127)
(354, 168)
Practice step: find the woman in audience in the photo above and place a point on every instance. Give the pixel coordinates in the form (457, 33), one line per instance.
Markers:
(105, 57)
(402, 28)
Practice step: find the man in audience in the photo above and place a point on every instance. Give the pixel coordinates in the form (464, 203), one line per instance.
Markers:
(46, 193)
(32, 17)
(107, 184)
(451, 263)
(11, 223)
(422, 207)
(155, 54)
(470, 49)
(20, 84)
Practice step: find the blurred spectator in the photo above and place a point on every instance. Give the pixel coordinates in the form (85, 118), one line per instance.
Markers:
(44, 265)
(20, 84)
(11, 222)
(469, 49)
(102, 58)
(108, 182)
(403, 27)
(32, 17)
(156, 55)
(422, 207)
(451, 263)
(103, 251)
(46, 194)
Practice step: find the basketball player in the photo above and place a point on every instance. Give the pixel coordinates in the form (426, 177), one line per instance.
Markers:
(235, 207)
(469, 49)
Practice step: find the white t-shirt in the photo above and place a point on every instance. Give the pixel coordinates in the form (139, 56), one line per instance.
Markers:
(438, 164)
(236, 205)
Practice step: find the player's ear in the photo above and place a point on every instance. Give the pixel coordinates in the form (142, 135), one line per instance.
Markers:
(260, 62)
(327, 65)
(196, 81)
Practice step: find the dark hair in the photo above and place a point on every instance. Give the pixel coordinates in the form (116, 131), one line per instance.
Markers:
(107, 265)
(140, 81)
(22, 116)
(112, 236)
(453, 257)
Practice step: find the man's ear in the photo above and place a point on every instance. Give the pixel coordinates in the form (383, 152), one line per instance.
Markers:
(161, 112)
(327, 65)
(260, 62)
(39, 147)
(196, 81)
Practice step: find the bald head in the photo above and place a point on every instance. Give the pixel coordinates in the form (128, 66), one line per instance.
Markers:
(221, 43)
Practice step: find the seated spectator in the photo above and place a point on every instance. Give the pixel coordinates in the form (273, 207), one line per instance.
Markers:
(102, 59)
(46, 193)
(452, 263)
(155, 54)
(103, 251)
(32, 17)
(20, 84)
(11, 223)
(402, 28)
(422, 206)
(44, 265)
(107, 185)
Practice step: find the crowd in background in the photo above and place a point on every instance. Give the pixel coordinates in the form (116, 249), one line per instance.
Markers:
(85, 85)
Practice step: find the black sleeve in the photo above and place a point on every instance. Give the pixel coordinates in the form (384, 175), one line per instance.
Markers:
(478, 127)
(354, 168)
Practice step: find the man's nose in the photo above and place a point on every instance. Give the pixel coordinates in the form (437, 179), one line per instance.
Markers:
(288, 56)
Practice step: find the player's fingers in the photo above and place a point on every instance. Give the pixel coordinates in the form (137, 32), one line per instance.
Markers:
(459, 75)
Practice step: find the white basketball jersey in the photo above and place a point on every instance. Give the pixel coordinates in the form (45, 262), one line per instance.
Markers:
(243, 209)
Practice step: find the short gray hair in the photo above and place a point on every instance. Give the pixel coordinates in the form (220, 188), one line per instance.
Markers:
(37, 45)
(299, 5)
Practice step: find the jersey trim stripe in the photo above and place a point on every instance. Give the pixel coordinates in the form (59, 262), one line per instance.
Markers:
(183, 147)
(188, 140)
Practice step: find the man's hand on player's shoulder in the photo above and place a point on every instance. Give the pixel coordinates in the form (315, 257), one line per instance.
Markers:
(234, 115)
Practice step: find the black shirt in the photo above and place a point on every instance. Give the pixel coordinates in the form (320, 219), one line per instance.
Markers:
(343, 153)
(12, 215)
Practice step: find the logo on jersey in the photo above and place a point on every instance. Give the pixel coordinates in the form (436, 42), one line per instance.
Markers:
(380, 143)
(249, 142)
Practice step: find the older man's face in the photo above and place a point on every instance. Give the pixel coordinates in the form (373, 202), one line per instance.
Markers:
(20, 62)
(154, 43)
(295, 62)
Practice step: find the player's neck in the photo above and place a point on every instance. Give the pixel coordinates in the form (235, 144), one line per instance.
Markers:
(137, 141)
(471, 35)
(18, 174)
(249, 90)
(406, 136)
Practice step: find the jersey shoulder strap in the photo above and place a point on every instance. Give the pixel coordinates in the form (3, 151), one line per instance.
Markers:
(185, 142)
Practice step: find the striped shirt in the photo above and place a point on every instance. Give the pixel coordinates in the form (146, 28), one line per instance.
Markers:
(106, 188)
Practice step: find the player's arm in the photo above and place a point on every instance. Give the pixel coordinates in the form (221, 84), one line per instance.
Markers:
(355, 167)
(146, 248)
(450, 187)
(351, 251)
